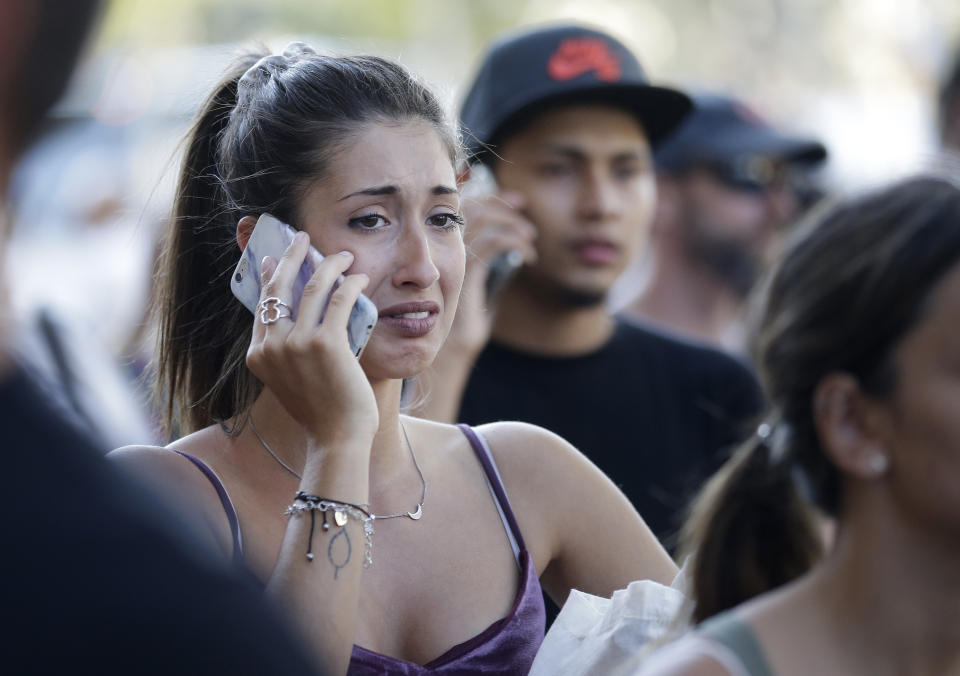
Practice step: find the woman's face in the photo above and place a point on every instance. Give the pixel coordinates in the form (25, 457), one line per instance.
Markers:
(923, 437)
(391, 198)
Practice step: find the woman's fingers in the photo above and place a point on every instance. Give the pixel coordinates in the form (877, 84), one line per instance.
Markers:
(268, 267)
(317, 292)
(280, 284)
(342, 301)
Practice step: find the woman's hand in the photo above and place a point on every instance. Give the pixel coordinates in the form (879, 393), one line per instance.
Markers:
(307, 364)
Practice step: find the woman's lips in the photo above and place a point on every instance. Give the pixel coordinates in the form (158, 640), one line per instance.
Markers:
(595, 252)
(411, 319)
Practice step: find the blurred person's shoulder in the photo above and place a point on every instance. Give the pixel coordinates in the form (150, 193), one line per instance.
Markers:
(686, 357)
(100, 570)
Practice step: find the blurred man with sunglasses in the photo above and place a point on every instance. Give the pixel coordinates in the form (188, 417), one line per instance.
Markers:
(727, 185)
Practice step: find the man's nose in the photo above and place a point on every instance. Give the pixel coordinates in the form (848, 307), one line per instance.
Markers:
(598, 195)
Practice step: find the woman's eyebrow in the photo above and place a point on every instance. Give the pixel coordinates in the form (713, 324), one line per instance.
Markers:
(379, 190)
(393, 190)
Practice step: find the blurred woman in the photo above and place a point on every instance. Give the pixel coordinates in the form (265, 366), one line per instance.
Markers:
(389, 539)
(858, 350)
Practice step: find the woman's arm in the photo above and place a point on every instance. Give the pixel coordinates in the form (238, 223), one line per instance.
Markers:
(309, 367)
(580, 528)
(187, 491)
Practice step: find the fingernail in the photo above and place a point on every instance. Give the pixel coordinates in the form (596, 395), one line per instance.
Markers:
(347, 254)
(301, 237)
(264, 263)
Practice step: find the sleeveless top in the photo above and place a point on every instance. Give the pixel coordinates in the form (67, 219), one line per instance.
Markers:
(734, 645)
(507, 646)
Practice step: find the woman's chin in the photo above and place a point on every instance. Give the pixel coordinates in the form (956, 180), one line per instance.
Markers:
(394, 364)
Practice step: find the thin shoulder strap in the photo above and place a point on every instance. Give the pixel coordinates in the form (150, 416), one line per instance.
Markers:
(495, 483)
(224, 500)
(730, 631)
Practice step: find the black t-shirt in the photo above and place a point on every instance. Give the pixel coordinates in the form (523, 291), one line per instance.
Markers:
(656, 413)
(97, 576)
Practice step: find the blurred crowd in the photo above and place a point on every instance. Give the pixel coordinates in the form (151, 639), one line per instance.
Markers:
(738, 380)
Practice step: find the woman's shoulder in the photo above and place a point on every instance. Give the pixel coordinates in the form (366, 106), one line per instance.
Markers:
(171, 459)
(692, 655)
(174, 471)
(524, 449)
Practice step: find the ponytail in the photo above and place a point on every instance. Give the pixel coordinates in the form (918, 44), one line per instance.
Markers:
(203, 333)
(750, 530)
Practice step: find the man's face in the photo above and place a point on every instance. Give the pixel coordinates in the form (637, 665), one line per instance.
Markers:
(731, 226)
(587, 176)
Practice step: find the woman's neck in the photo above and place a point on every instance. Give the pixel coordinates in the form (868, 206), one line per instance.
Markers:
(286, 436)
(888, 591)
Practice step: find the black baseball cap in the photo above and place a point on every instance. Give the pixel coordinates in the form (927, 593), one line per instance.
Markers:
(526, 72)
(724, 132)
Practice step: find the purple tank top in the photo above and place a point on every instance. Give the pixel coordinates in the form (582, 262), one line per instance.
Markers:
(507, 646)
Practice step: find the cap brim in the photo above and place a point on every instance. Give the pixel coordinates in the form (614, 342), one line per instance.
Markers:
(769, 143)
(724, 145)
(660, 110)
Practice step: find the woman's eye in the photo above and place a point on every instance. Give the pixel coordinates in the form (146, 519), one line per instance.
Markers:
(368, 222)
(446, 221)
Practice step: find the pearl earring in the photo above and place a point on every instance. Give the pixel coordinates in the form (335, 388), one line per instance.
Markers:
(877, 463)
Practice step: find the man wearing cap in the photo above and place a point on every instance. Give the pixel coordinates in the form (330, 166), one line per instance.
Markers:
(563, 118)
(727, 183)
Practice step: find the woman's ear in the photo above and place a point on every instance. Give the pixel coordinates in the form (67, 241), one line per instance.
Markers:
(244, 228)
(847, 426)
(464, 174)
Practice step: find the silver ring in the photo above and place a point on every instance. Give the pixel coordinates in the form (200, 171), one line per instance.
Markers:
(272, 308)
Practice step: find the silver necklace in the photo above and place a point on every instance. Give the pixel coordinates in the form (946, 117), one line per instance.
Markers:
(415, 514)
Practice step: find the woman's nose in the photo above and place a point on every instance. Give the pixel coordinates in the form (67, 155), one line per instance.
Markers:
(414, 259)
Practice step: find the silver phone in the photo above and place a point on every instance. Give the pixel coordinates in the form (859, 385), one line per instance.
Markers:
(271, 237)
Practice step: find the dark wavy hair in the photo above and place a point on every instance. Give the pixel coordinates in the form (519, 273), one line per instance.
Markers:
(268, 131)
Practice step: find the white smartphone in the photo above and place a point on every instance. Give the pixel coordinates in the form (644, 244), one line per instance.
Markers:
(271, 237)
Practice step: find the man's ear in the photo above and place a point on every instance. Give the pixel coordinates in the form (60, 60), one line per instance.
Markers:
(244, 228)
(847, 426)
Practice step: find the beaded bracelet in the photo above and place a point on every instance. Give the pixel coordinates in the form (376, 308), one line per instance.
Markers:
(302, 502)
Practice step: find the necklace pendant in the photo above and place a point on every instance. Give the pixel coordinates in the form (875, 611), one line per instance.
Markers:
(417, 514)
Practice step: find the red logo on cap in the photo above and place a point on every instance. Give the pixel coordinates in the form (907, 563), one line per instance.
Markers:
(576, 56)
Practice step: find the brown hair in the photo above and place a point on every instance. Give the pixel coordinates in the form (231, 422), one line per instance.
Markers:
(849, 287)
(267, 131)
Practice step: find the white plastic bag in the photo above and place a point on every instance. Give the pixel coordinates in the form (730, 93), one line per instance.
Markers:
(595, 635)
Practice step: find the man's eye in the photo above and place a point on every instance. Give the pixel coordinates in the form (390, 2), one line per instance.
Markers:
(556, 170)
(446, 220)
(368, 222)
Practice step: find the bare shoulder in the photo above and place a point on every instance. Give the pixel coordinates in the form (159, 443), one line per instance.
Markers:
(148, 460)
(164, 462)
(686, 657)
(520, 442)
(523, 451)
(182, 482)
